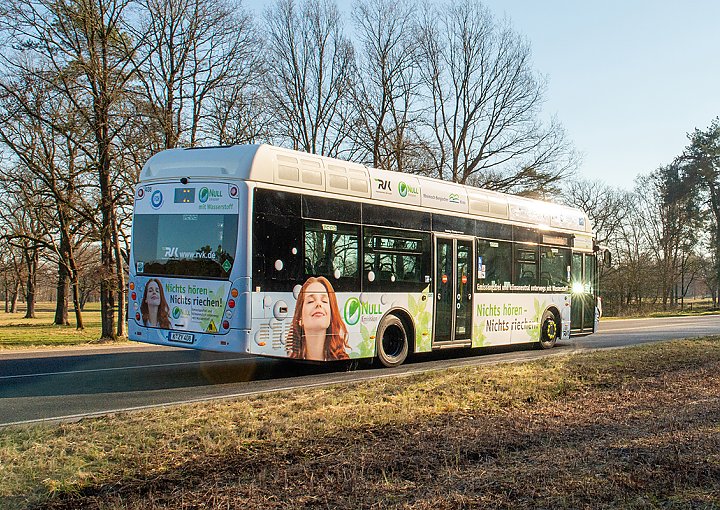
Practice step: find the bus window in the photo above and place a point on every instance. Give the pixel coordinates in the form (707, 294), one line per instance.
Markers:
(577, 270)
(395, 260)
(330, 208)
(589, 280)
(525, 265)
(277, 251)
(554, 264)
(196, 245)
(494, 264)
(331, 250)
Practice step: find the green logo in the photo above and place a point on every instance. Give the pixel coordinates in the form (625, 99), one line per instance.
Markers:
(204, 195)
(454, 198)
(226, 266)
(403, 189)
(176, 312)
(352, 311)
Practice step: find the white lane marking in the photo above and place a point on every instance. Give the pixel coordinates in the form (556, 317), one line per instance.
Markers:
(137, 367)
(677, 317)
(659, 326)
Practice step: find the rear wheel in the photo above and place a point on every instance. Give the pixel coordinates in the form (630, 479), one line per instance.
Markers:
(392, 342)
(548, 331)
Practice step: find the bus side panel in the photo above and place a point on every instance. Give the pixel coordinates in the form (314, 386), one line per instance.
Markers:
(274, 316)
(505, 318)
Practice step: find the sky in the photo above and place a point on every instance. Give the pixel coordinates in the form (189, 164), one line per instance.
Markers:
(628, 79)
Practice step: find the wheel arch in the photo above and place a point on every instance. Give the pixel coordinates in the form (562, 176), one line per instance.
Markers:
(408, 324)
(553, 309)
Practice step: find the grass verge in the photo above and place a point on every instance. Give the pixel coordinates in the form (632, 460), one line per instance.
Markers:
(16, 332)
(631, 428)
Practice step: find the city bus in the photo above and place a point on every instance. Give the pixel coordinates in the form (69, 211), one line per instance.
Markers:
(267, 251)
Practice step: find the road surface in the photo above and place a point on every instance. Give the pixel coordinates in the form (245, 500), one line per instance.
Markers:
(68, 384)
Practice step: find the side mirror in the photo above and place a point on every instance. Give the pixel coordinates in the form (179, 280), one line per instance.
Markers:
(607, 258)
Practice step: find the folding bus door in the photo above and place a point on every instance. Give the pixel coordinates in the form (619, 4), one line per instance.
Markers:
(453, 290)
(582, 309)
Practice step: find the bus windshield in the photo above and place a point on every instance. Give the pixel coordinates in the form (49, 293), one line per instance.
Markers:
(190, 245)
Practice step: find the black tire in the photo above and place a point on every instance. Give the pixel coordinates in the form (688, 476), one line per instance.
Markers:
(392, 342)
(548, 331)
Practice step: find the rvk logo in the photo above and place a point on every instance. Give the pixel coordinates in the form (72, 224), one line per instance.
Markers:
(157, 199)
(171, 252)
(383, 185)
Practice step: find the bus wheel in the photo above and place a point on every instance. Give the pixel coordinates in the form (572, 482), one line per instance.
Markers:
(548, 331)
(392, 342)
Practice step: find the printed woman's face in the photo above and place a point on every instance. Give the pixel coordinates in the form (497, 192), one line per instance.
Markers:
(316, 308)
(152, 294)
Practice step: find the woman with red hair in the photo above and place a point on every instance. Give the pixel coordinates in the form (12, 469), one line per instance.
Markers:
(154, 308)
(317, 332)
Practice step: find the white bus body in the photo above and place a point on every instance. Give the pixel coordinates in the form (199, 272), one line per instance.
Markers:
(226, 239)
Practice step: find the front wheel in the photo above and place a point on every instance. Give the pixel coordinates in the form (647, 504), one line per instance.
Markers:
(548, 331)
(392, 342)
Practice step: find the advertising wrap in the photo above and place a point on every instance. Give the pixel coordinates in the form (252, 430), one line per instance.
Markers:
(315, 323)
(186, 305)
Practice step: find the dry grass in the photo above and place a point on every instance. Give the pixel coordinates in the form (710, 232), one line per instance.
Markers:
(631, 428)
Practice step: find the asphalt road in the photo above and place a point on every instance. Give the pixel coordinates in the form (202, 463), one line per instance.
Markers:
(68, 384)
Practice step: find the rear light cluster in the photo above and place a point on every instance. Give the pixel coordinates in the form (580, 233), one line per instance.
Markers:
(133, 298)
(231, 304)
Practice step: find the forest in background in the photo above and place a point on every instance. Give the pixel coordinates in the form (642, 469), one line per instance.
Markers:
(90, 89)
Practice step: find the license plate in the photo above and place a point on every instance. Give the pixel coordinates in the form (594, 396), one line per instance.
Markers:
(185, 338)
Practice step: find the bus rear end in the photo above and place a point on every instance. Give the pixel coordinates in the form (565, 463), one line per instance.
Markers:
(189, 283)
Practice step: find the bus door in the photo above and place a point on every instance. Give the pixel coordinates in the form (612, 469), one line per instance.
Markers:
(453, 289)
(583, 287)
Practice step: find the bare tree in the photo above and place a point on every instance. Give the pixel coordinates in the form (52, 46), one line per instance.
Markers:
(312, 69)
(47, 160)
(485, 99)
(386, 95)
(22, 229)
(606, 206)
(195, 49)
(12, 273)
(239, 114)
(671, 220)
(84, 49)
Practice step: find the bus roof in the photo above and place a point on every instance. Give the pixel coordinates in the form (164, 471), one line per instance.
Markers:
(285, 167)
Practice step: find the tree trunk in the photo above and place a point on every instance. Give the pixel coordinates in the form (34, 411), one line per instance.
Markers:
(14, 299)
(120, 278)
(31, 258)
(75, 283)
(61, 306)
(108, 284)
(76, 304)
